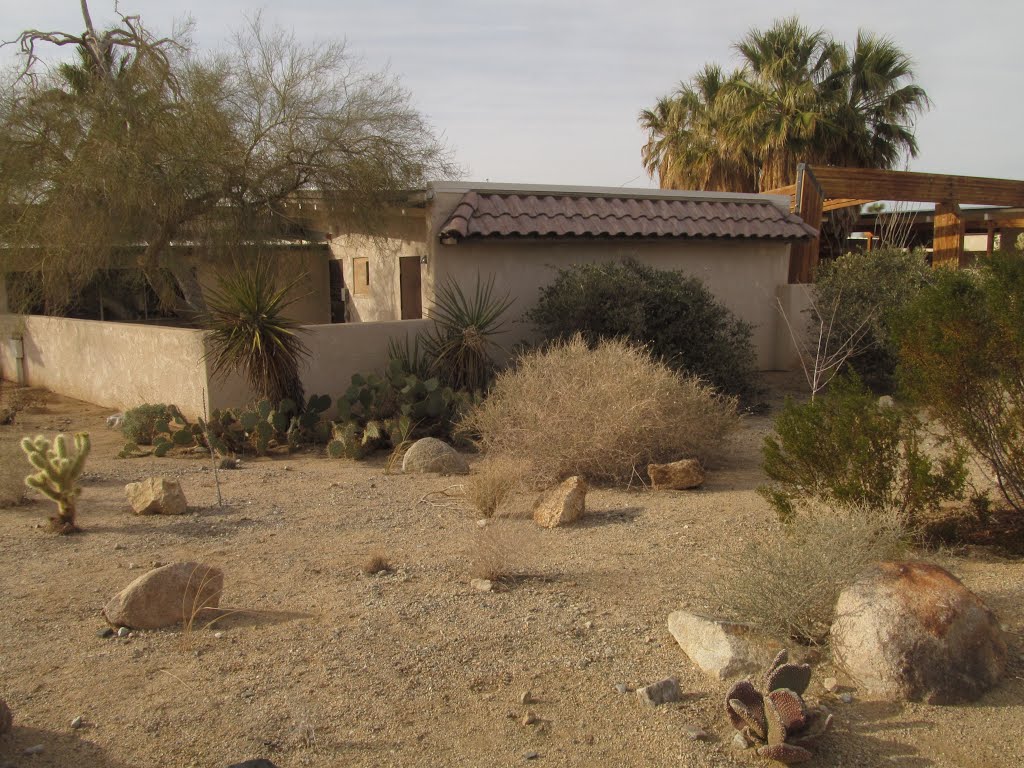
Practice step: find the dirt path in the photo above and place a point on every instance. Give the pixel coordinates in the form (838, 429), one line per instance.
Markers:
(326, 666)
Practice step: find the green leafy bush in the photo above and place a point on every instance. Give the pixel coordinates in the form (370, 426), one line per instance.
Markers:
(604, 413)
(140, 425)
(857, 296)
(676, 316)
(843, 448)
(961, 346)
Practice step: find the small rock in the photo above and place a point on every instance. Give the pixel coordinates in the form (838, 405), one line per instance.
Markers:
(34, 750)
(123, 631)
(105, 632)
(218, 635)
(530, 718)
(561, 505)
(229, 463)
(886, 401)
(677, 476)
(830, 684)
(621, 688)
(432, 455)
(119, 547)
(132, 566)
(588, 625)
(482, 523)
(696, 733)
(661, 692)
(77, 722)
(722, 649)
(156, 496)
(526, 697)
(482, 585)
(531, 755)
(846, 698)
(739, 741)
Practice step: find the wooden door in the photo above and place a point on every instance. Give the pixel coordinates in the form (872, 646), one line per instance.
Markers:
(409, 278)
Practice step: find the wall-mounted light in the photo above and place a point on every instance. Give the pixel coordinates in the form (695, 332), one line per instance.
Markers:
(423, 259)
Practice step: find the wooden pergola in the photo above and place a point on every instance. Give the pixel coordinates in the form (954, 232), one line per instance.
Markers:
(821, 189)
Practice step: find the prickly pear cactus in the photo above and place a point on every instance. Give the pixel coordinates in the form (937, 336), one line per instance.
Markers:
(59, 469)
(779, 725)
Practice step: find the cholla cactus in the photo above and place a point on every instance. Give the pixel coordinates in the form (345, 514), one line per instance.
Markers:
(779, 724)
(59, 469)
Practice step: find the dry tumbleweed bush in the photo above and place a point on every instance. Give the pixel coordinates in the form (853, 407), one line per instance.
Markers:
(786, 579)
(493, 482)
(603, 413)
(504, 549)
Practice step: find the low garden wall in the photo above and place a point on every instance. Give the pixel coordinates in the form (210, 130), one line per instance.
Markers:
(122, 365)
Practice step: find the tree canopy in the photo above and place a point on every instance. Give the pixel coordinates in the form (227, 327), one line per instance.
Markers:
(798, 96)
(140, 142)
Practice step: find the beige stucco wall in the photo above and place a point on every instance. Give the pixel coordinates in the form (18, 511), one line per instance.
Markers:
(743, 275)
(336, 352)
(118, 365)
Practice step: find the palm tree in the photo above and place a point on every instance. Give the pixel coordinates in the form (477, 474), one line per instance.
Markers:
(799, 96)
(691, 145)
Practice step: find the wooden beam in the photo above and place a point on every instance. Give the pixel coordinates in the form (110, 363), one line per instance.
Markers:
(990, 241)
(834, 204)
(803, 255)
(948, 243)
(859, 183)
(787, 191)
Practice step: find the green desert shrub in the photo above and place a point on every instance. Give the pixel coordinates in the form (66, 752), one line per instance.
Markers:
(603, 412)
(143, 423)
(843, 448)
(961, 347)
(673, 314)
(857, 296)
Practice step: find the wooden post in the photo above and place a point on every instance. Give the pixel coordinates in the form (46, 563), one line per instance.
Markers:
(948, 243)
(803, 255)
(990, 241)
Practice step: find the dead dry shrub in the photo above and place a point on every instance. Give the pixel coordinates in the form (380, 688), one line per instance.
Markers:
(786, 580)
(376, 563)
(602, 413)
(504, 549)
(493, 483)
(13, 469)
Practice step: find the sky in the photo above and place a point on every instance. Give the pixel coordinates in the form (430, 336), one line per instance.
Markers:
(548, 91)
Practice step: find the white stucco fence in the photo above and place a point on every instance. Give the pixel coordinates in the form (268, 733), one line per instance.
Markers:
(122, 365)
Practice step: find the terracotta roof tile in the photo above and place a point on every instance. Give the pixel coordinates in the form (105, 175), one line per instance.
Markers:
(481, 215)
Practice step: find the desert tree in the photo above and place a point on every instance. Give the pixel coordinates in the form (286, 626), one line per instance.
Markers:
(140, 142)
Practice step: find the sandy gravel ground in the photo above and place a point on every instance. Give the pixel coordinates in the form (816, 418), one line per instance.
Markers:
(323, 665)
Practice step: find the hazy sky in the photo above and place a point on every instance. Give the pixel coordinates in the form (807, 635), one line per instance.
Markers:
(534, 91)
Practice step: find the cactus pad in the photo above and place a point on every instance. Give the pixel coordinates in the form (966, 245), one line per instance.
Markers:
(789, 754)
(776, 728)
(780, 658)
(790, 707)
(752, 701)
(747, 720)
(795, 677)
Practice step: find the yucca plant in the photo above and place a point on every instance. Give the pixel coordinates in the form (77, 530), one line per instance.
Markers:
(249, 332)
(461, 342)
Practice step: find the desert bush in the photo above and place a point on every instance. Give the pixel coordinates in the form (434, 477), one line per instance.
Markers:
(140, 425)
(603, 413)
(504, 549)
(785, 580)
(961, 347)
(376, 563)
(12, 474)
(843, 448)
(675, 315)
(858, 295)
(493, 482)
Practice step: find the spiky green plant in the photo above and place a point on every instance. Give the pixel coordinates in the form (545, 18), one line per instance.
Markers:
(461, 343)
(59, 469)
(249, 332)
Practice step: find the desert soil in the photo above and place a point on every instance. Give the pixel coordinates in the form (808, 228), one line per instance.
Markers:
(323, 665)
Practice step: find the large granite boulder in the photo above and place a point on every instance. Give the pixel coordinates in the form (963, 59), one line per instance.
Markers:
(721, 649)
(165, 596)
(432, 455)
(561, 505)
(911, 631)
(156, 496)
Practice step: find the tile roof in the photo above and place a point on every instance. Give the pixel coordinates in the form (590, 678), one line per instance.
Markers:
(484, 214)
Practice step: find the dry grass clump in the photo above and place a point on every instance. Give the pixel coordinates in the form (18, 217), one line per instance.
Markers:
(786, 580)
(493, 482)
(376, 563)
(13, 469)
(602, 413)
(504, 549)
